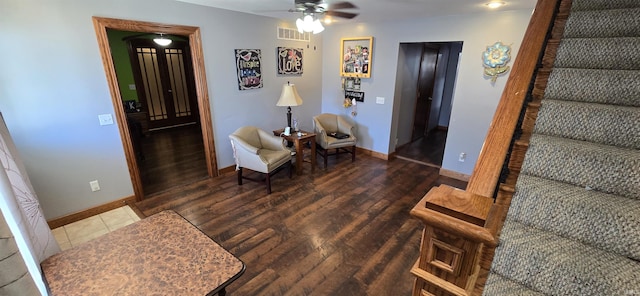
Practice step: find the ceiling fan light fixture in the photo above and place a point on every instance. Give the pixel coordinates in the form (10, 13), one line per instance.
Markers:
(317, 27)
(162, 41)
(300, 25)
(309, 24)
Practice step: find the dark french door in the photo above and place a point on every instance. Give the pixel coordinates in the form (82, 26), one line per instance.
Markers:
(164, 82)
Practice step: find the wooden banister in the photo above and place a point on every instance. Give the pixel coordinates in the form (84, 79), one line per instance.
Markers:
(462, 227)
(486, 172)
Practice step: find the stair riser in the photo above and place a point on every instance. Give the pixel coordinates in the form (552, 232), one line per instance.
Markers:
(579, 5)
(603, 168)
(610, 125)
(595, 86)
(599, 53)
(557, 266)
(609, 222)
(598, 24)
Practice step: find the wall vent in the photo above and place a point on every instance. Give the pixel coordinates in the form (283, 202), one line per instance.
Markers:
(293, 34)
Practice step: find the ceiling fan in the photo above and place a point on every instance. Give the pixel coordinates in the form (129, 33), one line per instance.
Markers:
(317, 7)
(312, 9)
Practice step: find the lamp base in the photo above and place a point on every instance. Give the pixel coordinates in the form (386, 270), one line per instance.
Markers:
(289, 116)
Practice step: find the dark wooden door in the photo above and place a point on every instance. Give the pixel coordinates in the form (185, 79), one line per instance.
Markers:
(426, 81)
(164, 82)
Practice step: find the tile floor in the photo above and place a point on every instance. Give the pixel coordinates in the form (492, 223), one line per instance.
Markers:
(84, 230)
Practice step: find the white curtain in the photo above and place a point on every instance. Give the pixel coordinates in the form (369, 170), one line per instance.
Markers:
(22, 211)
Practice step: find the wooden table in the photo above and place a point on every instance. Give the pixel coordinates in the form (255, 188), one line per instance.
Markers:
(299, 142)
(163, 254)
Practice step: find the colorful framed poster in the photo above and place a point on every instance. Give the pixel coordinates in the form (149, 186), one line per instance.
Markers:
(356, 55)
(249, 66)
(289, 61)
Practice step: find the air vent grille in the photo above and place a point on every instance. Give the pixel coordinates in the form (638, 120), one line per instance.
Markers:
(293, 34)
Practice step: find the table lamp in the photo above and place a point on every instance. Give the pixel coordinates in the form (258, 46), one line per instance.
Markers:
(289, 97)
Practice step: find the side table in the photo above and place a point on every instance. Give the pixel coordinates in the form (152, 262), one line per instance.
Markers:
(299, 142)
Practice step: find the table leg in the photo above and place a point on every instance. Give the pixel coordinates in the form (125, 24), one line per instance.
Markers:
(299, 156)
(312, 143)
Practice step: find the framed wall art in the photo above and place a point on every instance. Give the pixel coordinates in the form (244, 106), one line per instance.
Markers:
(249, 66)
(289, 61)
(356, 56)
(495, 60)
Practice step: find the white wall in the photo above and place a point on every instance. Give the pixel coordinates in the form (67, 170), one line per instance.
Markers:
(475, 97)
(53, 86)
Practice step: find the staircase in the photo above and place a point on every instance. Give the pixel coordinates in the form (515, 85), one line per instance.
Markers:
(573, 226)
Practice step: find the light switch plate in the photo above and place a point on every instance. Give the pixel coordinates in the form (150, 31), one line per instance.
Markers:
(105, 119)
(132, 87)
(380, 100)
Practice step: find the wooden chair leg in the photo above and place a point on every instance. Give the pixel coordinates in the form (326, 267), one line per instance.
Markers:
(353, 153)
(268, 181)
(239, 176)
(325, 156)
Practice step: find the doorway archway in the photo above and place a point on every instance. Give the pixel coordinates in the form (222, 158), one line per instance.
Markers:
(195, 43)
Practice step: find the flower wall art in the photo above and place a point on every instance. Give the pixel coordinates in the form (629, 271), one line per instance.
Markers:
(495, 60)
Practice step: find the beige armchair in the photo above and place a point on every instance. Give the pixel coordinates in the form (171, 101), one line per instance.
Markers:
(259, 151)
(326, 124)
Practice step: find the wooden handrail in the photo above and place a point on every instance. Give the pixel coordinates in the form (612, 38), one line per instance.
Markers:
(484, 177)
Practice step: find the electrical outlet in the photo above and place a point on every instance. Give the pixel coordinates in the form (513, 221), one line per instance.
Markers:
(95, 186)
(462, 157)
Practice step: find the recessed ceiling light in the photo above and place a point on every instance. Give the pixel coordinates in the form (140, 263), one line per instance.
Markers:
(494, 5)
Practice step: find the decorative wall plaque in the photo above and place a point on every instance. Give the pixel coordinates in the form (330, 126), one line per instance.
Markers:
(249, 65)
(495, 60)
(289, 61)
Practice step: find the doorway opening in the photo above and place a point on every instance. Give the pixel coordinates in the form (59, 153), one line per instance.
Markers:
(427, 72)
(169, 111)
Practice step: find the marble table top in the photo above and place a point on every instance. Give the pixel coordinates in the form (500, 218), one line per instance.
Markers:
(163, 254)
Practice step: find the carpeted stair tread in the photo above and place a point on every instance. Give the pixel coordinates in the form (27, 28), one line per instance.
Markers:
(578, 5)
(603, 23)
(606, 221)
(604, 168)
(597, 123)
(556, 265)
(599, 53)
(617, 87)
(499, 285)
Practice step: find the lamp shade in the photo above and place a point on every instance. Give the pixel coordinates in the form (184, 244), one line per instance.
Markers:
(289, 96)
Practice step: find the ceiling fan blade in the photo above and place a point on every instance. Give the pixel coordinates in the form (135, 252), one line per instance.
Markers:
(347, 15)
(341, 5)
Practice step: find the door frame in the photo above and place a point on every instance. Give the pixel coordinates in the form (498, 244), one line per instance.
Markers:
(101, 24)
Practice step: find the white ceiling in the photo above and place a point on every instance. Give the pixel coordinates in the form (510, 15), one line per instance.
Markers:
(371, 10)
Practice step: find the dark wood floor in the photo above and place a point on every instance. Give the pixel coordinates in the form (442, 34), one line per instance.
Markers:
(429, 149)
(173, 156)
(345, 230)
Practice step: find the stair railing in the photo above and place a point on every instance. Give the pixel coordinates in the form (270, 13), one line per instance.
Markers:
(462, 226)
